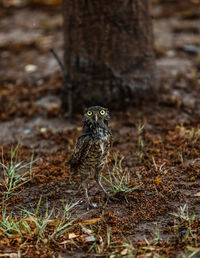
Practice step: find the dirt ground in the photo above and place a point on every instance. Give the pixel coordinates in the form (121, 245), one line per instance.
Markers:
(162, 159)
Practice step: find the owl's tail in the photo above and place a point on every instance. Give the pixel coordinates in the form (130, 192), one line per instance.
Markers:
(68, 163)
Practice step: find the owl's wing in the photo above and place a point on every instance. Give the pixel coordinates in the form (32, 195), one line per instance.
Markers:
(111, 140)
(81, 148)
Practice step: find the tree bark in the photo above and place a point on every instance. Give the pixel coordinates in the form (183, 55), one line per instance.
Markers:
(108, 50)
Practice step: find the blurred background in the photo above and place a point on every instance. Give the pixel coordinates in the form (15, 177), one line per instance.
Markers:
(31, 81)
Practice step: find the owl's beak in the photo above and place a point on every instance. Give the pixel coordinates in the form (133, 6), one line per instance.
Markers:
(96, 117)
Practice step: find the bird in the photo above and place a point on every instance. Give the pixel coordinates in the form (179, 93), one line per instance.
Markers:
(92, 148)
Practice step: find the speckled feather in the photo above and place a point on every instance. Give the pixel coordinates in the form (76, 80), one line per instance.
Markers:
(92, 147)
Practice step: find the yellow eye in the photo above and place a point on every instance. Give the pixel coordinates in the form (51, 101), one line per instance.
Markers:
(102, 112)
(89, 113)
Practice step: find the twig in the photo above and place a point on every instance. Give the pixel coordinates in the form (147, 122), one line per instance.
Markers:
(66, 82)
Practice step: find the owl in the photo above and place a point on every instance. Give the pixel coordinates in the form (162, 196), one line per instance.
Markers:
(92, 147)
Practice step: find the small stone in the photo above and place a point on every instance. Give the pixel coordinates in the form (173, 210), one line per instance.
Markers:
(90, 239)
(30, 68)
(197, 194)
(43, 130)
(27, 131)
(50, 103)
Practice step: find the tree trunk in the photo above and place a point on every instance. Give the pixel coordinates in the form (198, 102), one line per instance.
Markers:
(108, 50)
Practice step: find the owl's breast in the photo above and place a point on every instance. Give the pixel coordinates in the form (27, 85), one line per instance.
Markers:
(95, 155)
(98, 152)
(104, 144)
(101, 146)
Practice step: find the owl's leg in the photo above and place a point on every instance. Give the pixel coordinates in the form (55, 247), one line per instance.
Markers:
(97, 177)
(84, 185)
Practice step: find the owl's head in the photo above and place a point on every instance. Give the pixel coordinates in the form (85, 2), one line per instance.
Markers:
(96, 115)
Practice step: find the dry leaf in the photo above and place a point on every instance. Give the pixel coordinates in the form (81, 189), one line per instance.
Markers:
(90, 221)
(72, 235)
(158, 181)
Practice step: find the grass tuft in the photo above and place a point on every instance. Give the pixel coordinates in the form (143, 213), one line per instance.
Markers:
(119, 178)
(15, 173)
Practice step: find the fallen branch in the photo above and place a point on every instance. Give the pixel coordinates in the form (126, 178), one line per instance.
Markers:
(66, 82)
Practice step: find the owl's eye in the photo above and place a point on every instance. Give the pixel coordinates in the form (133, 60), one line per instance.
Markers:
(102, 112)
(89, 113)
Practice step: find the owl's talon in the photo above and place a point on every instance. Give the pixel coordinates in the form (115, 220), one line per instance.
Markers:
(111, 197)
(88, 207)
(91, 205)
